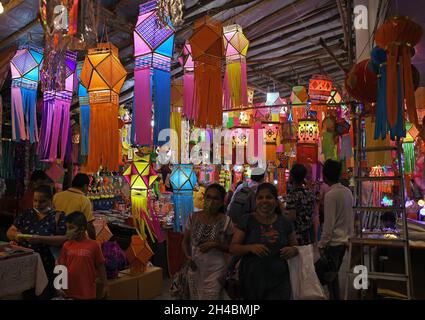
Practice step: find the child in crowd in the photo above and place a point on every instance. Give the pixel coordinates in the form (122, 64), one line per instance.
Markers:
(84, 260)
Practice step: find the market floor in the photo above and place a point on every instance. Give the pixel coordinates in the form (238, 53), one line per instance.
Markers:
(165, 295)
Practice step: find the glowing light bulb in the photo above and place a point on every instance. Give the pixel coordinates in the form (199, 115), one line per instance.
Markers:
(275, 182)
(152, 123)
(421, 203)
(422, 212)
(1, 8)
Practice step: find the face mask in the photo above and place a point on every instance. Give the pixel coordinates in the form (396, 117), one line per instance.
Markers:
(73, 234)
(212, 206)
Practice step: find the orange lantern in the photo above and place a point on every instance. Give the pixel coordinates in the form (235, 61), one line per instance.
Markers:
(319, 87)
(207, 52)
(398, 35)
(103, 75)
(308, 137)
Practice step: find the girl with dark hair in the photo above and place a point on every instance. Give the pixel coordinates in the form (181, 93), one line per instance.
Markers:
(205, 243)
(265, 240)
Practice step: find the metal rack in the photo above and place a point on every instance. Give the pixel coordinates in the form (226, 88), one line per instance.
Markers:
(367, 240)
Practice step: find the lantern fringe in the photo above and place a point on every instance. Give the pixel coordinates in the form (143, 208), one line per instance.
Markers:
(104, 139)
(209, 95)
(407, 85)
(235, 85)
(281, 181)
(409, 157)
(382, 111)
(24, 116)
(175, 140)
(139, 204)
(190, 108)
(54, 129)
(162, 102)
(85, 125)
(183, 207)
(142, 108)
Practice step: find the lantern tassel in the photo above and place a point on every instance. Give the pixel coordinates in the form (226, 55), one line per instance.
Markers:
(209, 93)
(85, 125)
(408, 87)
(190, 109)
(183, 207)
(142, 107)
(24, 119)
(162, 102)
(409, 157)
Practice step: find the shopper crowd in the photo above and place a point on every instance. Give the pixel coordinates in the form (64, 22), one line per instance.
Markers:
(239, 243)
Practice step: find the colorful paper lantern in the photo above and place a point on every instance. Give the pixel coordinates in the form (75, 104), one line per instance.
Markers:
(138, 254)
(361, 82)
(308, 135)
(141, 176)
(319, 88)
(334, 97)
(183, 180)
(103, 75)
(207, 51)
(272, 132)
(153, 50)
(397, 36)
(409, 148)
(25, 69)
(55, 126)
(235, 77)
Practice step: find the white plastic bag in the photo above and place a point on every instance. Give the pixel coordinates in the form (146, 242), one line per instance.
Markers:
(304, 282)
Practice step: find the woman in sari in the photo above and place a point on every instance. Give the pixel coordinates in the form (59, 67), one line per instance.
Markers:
(205, 244)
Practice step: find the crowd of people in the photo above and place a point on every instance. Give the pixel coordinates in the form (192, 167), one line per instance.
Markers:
(252, 231)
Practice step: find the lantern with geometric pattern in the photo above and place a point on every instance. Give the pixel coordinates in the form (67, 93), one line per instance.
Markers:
(235, 78)
(183, 180)
(55, 125)
(308, 138)
(153, 50)
(25, 70)
(141, 176)
(103, 75)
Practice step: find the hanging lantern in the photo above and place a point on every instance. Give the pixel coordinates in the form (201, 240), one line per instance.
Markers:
(183, 180)
(153, 50)
(272, 131)
(308, 137)
(83, 98)
(361, 82)
(103, 75)
(235, 77)
(239, 137)
(138, 255)
(409, 148)
(250, 96)
(319, 88)
(334, 97)
(273, 98)
(398, 35)
(25, 69)
(245, 118)
(141, 176)
(299, 95)
(208, 50)
(55, 126)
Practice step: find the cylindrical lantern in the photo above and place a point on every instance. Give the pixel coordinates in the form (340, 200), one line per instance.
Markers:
(235, 78)
(103, 75)
(398, 35)
(319, 88)
(361, 82)
(183, 180)
(25, 70)
(141, 176)
(308, 135)
(153, 50)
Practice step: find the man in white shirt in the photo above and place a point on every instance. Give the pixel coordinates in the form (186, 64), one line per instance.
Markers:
(338, 221)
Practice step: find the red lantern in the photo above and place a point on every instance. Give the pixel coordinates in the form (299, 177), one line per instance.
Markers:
(361, 82)
(319, 88)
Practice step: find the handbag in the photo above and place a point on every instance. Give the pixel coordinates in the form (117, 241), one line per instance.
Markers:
(326, 269)
(232, 284)
(305, 284)
(179, 288)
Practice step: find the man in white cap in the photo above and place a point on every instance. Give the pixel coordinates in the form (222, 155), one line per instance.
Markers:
(243, 200)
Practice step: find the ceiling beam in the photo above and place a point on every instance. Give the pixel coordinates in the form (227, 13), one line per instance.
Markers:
(308, 38)
(18, 34)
